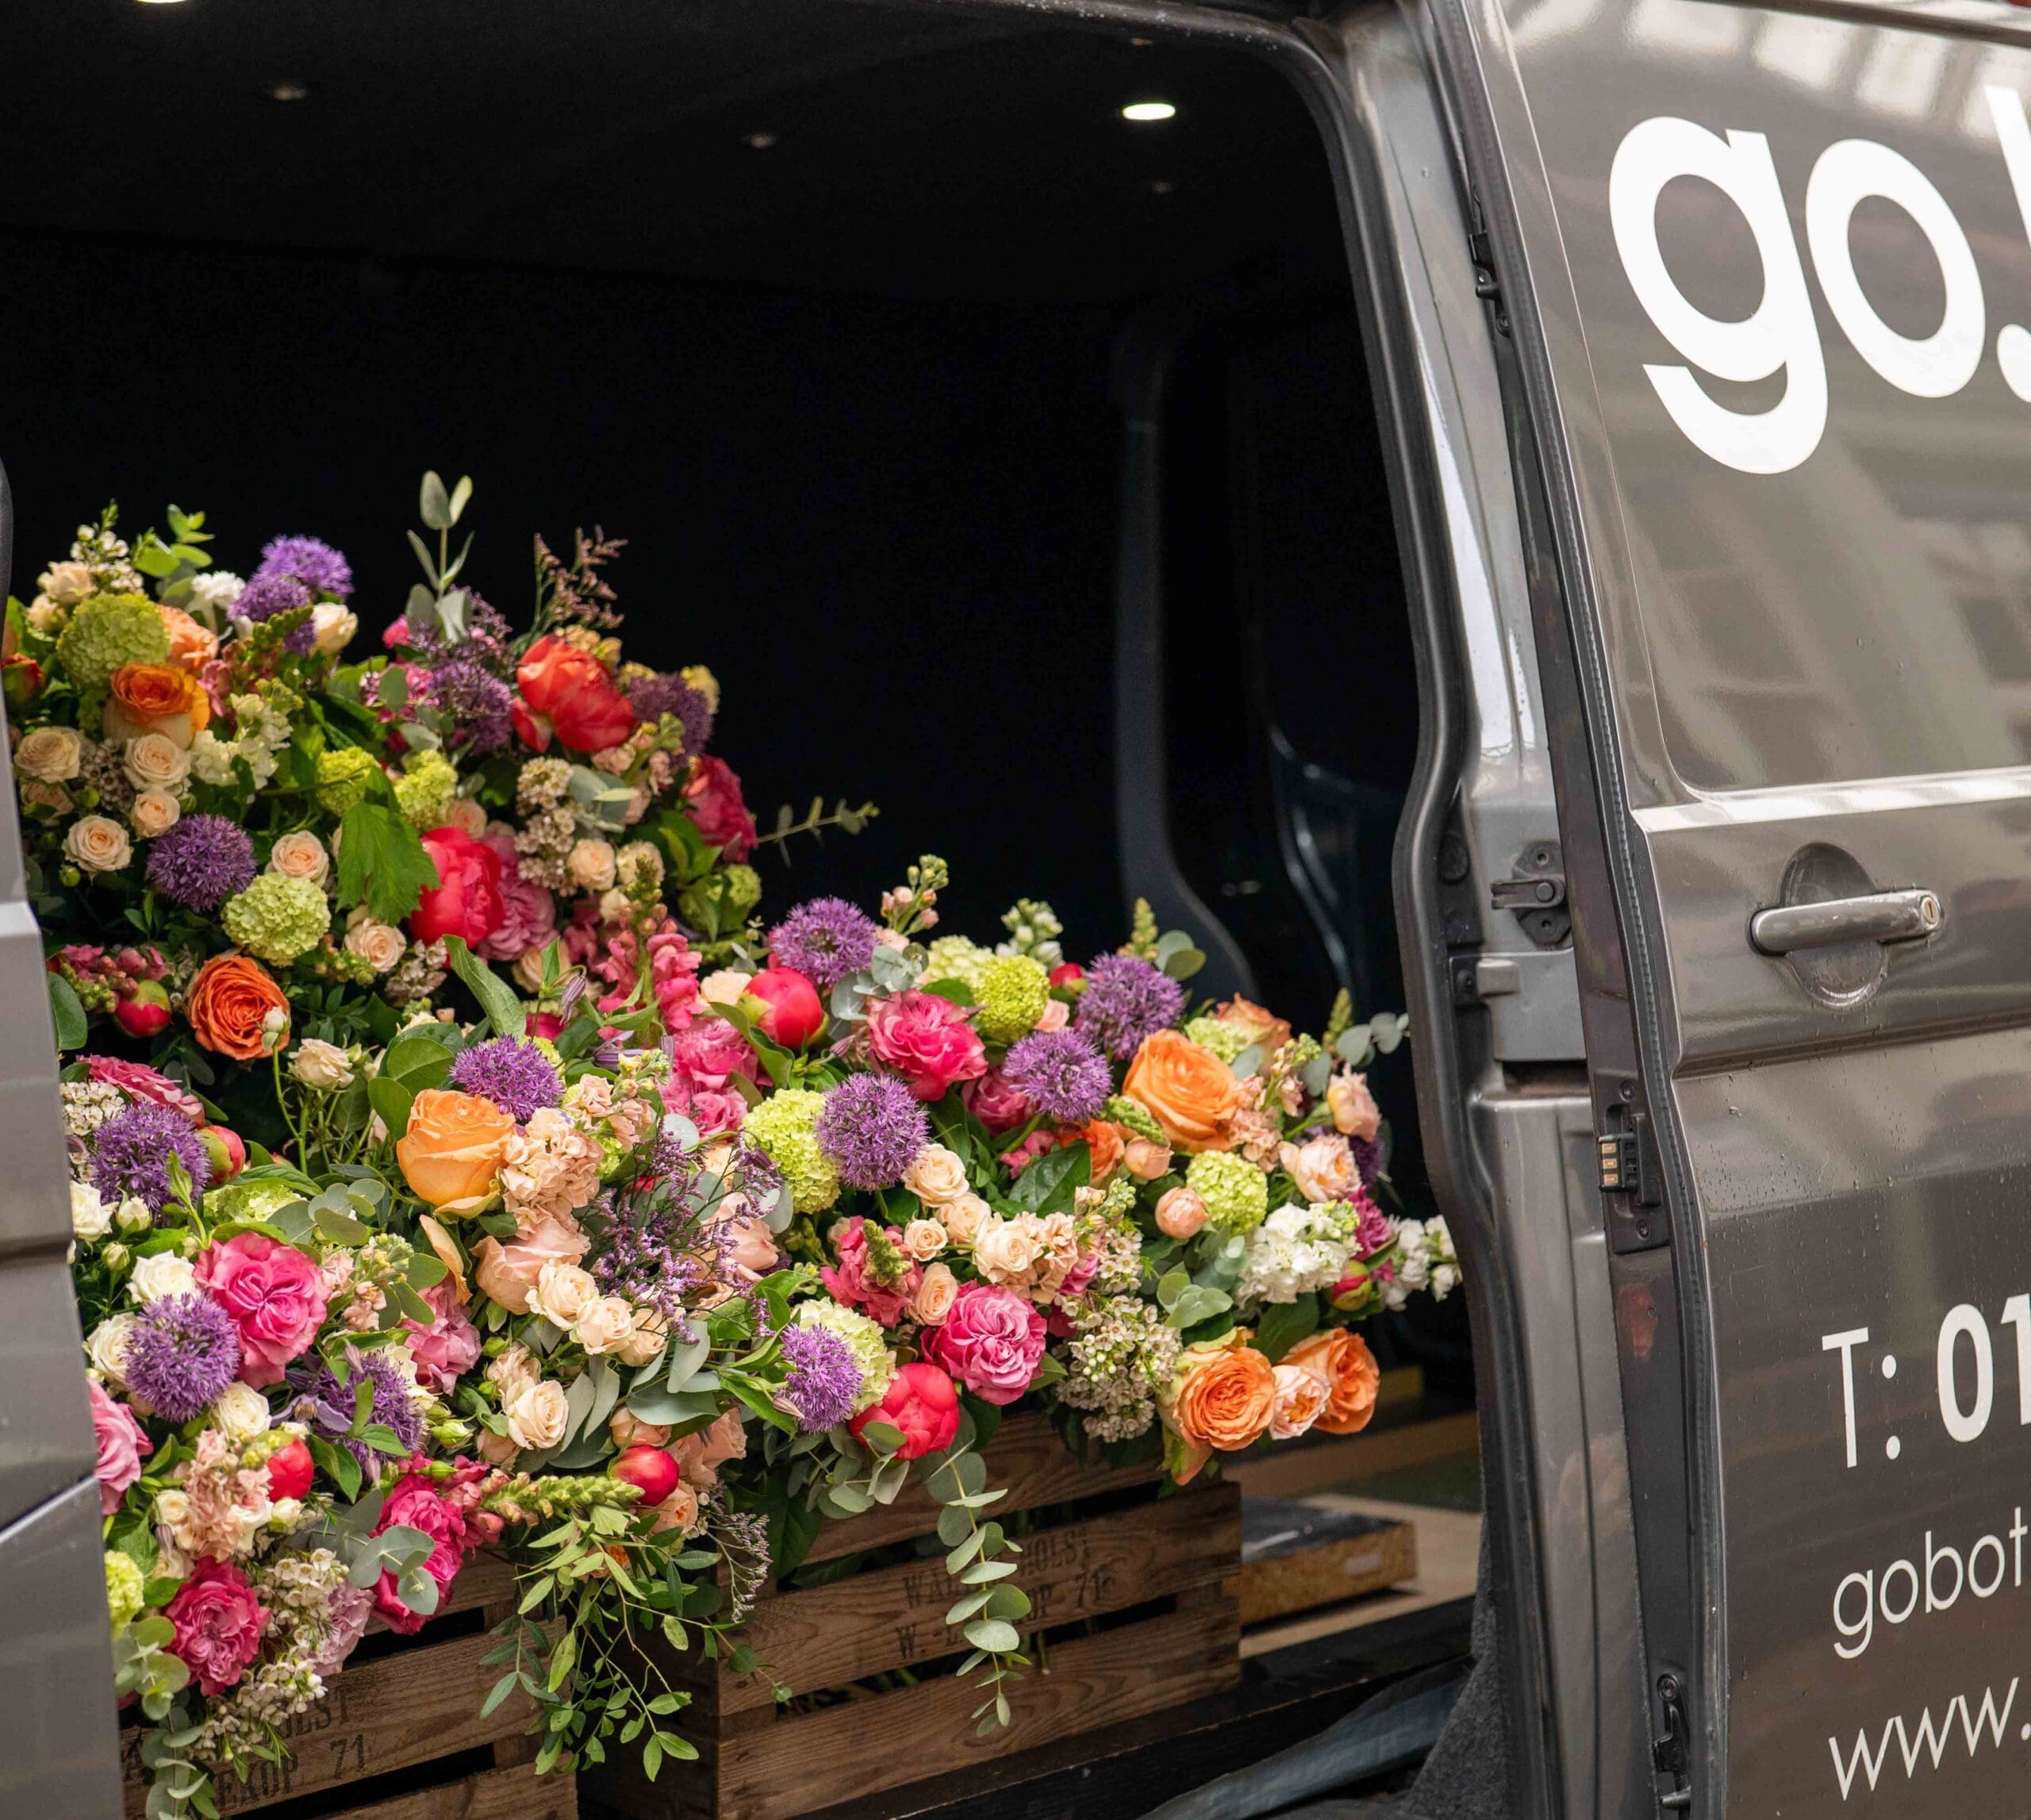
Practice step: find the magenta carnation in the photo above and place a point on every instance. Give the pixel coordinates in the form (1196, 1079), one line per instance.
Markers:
(528, 911)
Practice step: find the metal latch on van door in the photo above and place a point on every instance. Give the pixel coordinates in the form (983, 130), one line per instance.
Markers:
(1534, 893)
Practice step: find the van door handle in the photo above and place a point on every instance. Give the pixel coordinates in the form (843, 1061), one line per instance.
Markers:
(1882, 917)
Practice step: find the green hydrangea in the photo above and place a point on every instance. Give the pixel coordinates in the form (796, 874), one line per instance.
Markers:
(123, 1588)
(1235, 1192)
(1012, 992)
(955, 957)
(744, 887)
(276, 919)
(732, 892)
(107, 631)
(424, 791)
(1133, 1115)
(1224, 1039)
(786, 1126)
(865, 1340)
(249, 1201)
(342, 777)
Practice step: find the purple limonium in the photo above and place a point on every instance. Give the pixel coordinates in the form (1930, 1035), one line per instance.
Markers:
(656, 696)
(516, 1076)
(825, 940)
(327, 1405)
(1126, 1001)
(477, 701)
(309, 560)
(870, 1130)
(131, 1153)
(824, 1382)
(181, 1352)
(1368, 1159)
(1062, 1075)
(201, 862)
(266, 596)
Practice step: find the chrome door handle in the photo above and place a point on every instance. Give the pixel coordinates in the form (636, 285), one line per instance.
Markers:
(1882, 917)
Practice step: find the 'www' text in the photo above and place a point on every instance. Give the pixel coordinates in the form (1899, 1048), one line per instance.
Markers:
(1922, 1741)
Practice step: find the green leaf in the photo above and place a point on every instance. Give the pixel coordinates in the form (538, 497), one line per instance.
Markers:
(391, 1101)
(68, 1012)
(965, 1552)
(538, 1591)
(953, 1526)
(337, 1464)
(434, 506)
(971, 1606)
(461, 495)
(1051, 1183)
(1009, 1602)
(1283, 1324)
(382, 863)
(497, 998)
(993, 1636)
(982, 1571)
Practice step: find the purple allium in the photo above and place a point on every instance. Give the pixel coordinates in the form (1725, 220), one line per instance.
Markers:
(824, 1382)
(870, 1130)
(309, 560)
(1062, 1075)
(131, 1153)
(182, 1352)
(657, 696)
(516, 1076)
(477, 701)
(201, 860)
(825, 940)
(326, 1405)
(266, 596)
(1126, 1001)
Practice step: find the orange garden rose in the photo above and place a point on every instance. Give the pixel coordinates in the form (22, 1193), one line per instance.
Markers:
(452, 1151)
(1351, 1374)
(1189, 1091)
(227, 1003)
(1259, 1026)
(1222, 1399)
(1105, 1140)
(156, 698)
(190, 644)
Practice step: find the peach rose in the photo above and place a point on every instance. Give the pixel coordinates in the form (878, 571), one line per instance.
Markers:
(1146, 1159)
(935, 1176)
(1323, 1167)
(190, 644)
(645, 1338)
(724, 987)
(630, 1430)
(1352, 1377)
(508, 1272)
(699, 1455)
(537, 1414)
(562, 1294)
(1269, 1033)
(300, 855)
(1189, 1091)
(1355, 1113)
(162, 698)
(153, 812)
(1180, 1213)
(97, 843)
(50, 754)
(936, 1291)
(447, 1255)
(229, 1005)
(923, 1239)
(467, 815)
(963, 1216)
(154, 761)
(451, 1153)
(1105, 1141)
(605, 1326)
(591, 863)
(1301, 1395)
(1224, 1395)
(678, 1512)
(381, 945)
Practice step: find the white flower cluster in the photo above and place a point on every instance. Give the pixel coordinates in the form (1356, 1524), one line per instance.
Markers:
(297, 1590)
(1034, 929)
(260, 730)
(1123, 1355)
(87, 1105)
(1424, 1259)
(1296, 1250)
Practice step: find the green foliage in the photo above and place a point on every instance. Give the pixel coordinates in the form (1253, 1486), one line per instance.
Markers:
(382, 863)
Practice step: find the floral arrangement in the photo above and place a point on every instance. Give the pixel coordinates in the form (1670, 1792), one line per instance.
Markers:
(458, 1160)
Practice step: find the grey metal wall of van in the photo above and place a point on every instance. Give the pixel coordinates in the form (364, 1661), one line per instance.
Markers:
(1773, 271)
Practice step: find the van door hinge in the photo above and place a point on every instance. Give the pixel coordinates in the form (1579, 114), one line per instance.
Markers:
(1669, 1753)
(1487, 286)
(1534, 893)
(1632, 1179)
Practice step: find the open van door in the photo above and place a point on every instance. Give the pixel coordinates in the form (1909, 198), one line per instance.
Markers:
(1767, 278)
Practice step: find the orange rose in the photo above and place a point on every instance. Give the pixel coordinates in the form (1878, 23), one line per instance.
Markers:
(156, 698)
(190, 644)
(1351, 1374)
(1258, 1025)
(1189, 1091)
(451, 1153)
(227, 1002)
(1225, 1394)
(1106, 1141)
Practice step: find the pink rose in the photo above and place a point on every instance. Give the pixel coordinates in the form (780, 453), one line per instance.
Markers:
(416, 1501)
(711, 798)
(699, 1456)
(926, 1040)
(854, 1283)
(508, 1272)
(121, 1445)
(449, 1346)
(528, 911)
(996, 1101)
(218, 1622)
(138, 1081)
(991, 1341)
(275, 1296)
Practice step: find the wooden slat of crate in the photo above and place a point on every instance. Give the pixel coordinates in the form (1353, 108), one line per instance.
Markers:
(1027, 1457)
(824, 1636)
(492, 1795)
(780, 1770)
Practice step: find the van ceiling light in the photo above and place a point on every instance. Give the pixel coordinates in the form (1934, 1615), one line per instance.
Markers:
(288, 91)
(760, 141)
(1148, 110)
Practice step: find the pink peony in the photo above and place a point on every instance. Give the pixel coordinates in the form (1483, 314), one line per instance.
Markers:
(138, 1081)
(992, 1341)
(121, 1443)
(923, 1404)
(926, 1040)
(275, 1296)
(417, 1501)
(710, 1054)
(712, 799)
(218, 1622)
(854, 1282)
(996, 1101)
(528, 911)
(449, 1346)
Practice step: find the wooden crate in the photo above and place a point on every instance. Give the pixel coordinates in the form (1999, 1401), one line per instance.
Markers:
(401, 1725)
(1106, 1547)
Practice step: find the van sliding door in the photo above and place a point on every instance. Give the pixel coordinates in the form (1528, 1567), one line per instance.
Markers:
(1768, 274)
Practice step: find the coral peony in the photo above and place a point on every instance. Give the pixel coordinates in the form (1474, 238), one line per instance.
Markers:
(290, 1471)
(466, 900)
(928, 1040)
(570, 693)
(922, 1402)
(791, 1014)
(274, 1294)
(992, 1341)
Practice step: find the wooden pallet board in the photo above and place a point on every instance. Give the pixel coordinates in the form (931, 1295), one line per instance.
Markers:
(491, 1795)
(1297, 1556)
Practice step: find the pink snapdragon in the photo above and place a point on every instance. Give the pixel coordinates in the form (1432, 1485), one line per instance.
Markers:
(855, 1282)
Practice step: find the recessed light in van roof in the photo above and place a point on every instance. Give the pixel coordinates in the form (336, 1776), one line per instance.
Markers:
(1148, 110)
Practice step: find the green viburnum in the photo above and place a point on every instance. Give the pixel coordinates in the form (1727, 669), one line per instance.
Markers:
(786, 1126)
(955, 957)
(277, 918)
(1011, 991)
(1235, 1192)
(732, 891)
(107, 631)
(342, 775)
(1224, 1039)
(865, 1340)
(123, 1588)
(424, 791)
(246, 1200)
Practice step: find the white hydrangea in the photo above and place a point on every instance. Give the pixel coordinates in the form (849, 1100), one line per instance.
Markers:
(1296, 1250)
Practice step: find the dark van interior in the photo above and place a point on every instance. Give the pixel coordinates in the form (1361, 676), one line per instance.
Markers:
(1013, 463)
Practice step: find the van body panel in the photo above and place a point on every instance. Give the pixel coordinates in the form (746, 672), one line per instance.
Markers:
(1766, 270)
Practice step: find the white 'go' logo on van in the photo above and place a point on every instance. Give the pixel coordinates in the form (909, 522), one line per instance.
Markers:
(1781, 334)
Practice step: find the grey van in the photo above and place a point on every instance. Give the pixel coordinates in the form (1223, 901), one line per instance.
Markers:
(1698, 339)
